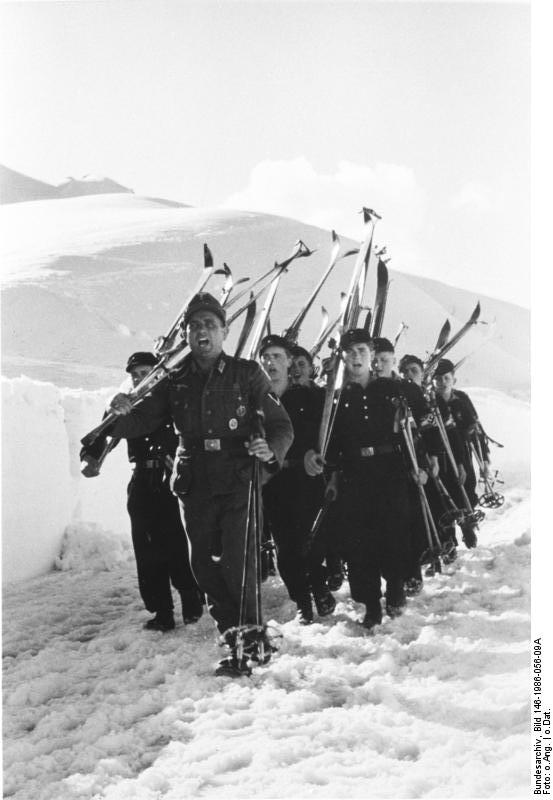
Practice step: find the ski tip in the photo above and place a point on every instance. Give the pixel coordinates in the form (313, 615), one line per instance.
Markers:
(476, 312)
(369, 213)
(208, 258)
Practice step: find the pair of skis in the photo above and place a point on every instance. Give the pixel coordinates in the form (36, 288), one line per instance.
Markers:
(444, 344)
(349, 319)
(172, 349)
(349, 315)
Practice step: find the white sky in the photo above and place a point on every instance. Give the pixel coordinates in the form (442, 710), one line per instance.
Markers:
(307, 109)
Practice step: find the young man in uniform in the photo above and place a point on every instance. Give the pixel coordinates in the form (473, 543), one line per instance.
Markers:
(159, 542)
(291, 499)
(412, 369)
(216, 401)
(457, 404)
(367, 445)
(301, 371)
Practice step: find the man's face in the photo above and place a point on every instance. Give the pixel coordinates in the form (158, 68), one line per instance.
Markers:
(139, 372)
(358, 361)
(301, 371)
(383, 364)
(413, 372)
(276, 363)
(205, 334)
(444, 383)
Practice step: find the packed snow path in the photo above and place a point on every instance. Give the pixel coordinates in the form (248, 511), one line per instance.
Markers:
(434, 704)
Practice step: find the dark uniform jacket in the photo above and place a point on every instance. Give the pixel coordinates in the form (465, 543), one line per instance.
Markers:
(461, 411)
(213, 414)
(304, 405)
(369, 418)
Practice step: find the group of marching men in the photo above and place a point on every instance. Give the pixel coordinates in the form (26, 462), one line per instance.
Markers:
(386, 499)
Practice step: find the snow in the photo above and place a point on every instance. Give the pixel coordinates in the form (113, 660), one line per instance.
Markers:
(44, 494)
(434, 704)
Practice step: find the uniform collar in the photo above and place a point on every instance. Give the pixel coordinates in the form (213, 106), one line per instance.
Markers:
(218, 367)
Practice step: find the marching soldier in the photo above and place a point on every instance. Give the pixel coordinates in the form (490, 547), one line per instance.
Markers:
(159, 541)
(302, 373)
(457, 407)
(291, 499)
(374, 488)
(214, 401)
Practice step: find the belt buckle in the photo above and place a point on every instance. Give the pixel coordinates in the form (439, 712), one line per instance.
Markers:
(367, 451)
(211, 445)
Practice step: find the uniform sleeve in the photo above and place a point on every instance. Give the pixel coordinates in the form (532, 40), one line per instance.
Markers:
(430, 436)
(96, 448)
(146, 417)
(278, 428)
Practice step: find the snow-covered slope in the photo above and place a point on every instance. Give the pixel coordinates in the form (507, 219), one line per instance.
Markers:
(89, 279)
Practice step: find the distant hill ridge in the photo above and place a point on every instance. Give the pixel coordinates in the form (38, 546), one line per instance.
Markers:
(18, 188)
(89, 279)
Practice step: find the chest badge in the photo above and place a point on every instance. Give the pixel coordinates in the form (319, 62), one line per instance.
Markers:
(240, 411)
(233, 424)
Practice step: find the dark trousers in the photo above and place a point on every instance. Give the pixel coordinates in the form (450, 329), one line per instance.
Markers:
(216, 529)
(159, 541)
(291, 501)
(376, 534)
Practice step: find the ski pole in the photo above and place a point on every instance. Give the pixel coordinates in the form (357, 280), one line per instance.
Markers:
(434, 543)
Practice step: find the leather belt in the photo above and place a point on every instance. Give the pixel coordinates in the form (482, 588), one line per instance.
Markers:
(379, 450)
(150, 463)
(214, 445)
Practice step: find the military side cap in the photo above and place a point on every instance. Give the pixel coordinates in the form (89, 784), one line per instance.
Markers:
(382, 345)
(203, 301)
(273, 340)
(140, 360)
(355, 336)
(298, 351)
(409, 359)
(444, 366)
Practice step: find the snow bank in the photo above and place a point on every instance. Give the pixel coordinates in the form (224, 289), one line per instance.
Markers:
(54, 517)
(44, 495)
